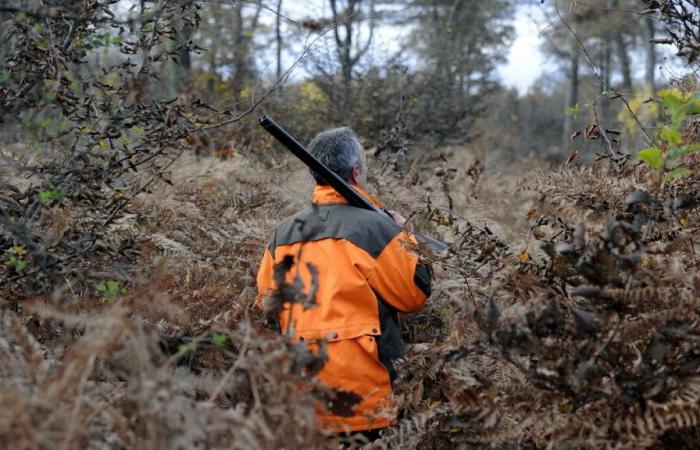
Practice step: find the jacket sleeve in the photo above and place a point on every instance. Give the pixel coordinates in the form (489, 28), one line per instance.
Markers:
(264, 279)
(399, 278)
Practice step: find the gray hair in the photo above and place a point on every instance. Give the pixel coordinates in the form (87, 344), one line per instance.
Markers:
(339, 149)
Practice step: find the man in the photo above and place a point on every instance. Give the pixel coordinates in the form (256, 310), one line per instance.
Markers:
(366, 275)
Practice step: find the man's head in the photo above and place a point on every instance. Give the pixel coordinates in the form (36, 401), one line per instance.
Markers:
(340, 150)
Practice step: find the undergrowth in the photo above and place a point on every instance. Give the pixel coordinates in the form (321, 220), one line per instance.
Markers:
(574, 325)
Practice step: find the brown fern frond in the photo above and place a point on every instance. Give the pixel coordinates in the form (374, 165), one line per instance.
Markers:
(642, 426)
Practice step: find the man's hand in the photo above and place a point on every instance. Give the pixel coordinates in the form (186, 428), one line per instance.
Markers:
(401, 221)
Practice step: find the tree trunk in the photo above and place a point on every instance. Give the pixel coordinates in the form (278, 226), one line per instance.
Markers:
(181, 68)
(572, 100)
(278, 35)
(343, 49)
(239, 51)
(183, 54)
(651, 57)
(211, 74)
(347, 51)
(624, 56)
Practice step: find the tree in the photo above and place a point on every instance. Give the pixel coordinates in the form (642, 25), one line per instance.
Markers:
(353, 25)
(228, 32)
(459, 43)
(594, 41)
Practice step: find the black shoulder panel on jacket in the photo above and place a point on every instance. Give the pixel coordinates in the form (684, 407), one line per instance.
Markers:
(366, 229)
(423, 277)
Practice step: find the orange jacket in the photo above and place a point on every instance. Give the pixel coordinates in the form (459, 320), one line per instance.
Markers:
(366, 274)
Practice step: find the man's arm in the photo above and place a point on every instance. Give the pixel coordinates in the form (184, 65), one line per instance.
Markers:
(265, 275)
(399, 278)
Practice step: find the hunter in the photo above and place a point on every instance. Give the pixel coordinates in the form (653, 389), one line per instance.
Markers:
(366, 276)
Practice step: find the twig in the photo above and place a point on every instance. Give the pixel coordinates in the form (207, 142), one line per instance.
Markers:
(602, 132)
(634, 116)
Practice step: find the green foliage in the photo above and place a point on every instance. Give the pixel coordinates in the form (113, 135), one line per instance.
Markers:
(49, 97)
(15, 258)
(103, 39)
(218, 339)
(653, 157)
(110, 289)
(677, 152)
(671, 135)
(575, 110)
(676, 173)
(50, 195)
(677, 106)
(43, 44)
(184, 348)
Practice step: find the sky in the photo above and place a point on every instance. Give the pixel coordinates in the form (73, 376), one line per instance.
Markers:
(525, 62)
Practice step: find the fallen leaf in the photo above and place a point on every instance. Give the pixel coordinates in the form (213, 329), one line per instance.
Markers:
(571, 158)
(524, 256)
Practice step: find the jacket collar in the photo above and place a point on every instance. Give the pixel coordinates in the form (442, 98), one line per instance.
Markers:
(325, 195)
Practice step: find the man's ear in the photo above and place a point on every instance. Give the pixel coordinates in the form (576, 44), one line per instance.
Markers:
(356, 175)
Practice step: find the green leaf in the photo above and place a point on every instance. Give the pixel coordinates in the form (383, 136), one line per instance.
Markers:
(17, 262)
(63, 126)
(116, 40)
(43, 44)
(676, 173)
(671, 135)
(653, 157)
(4, 77)
(46, 196)
(673, 101)
(574, 110)
(184, 348)
(21, 16)
(37, 27)
(110, 289)
(219, 339)
(17, 250)
(694, 107)
(678, 105)
(51, 194)
(677, 152)
(43, 122)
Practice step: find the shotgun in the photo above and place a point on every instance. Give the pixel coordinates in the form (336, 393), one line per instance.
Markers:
(341, 186)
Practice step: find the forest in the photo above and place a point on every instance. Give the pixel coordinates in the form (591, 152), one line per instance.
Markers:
(553, 145)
